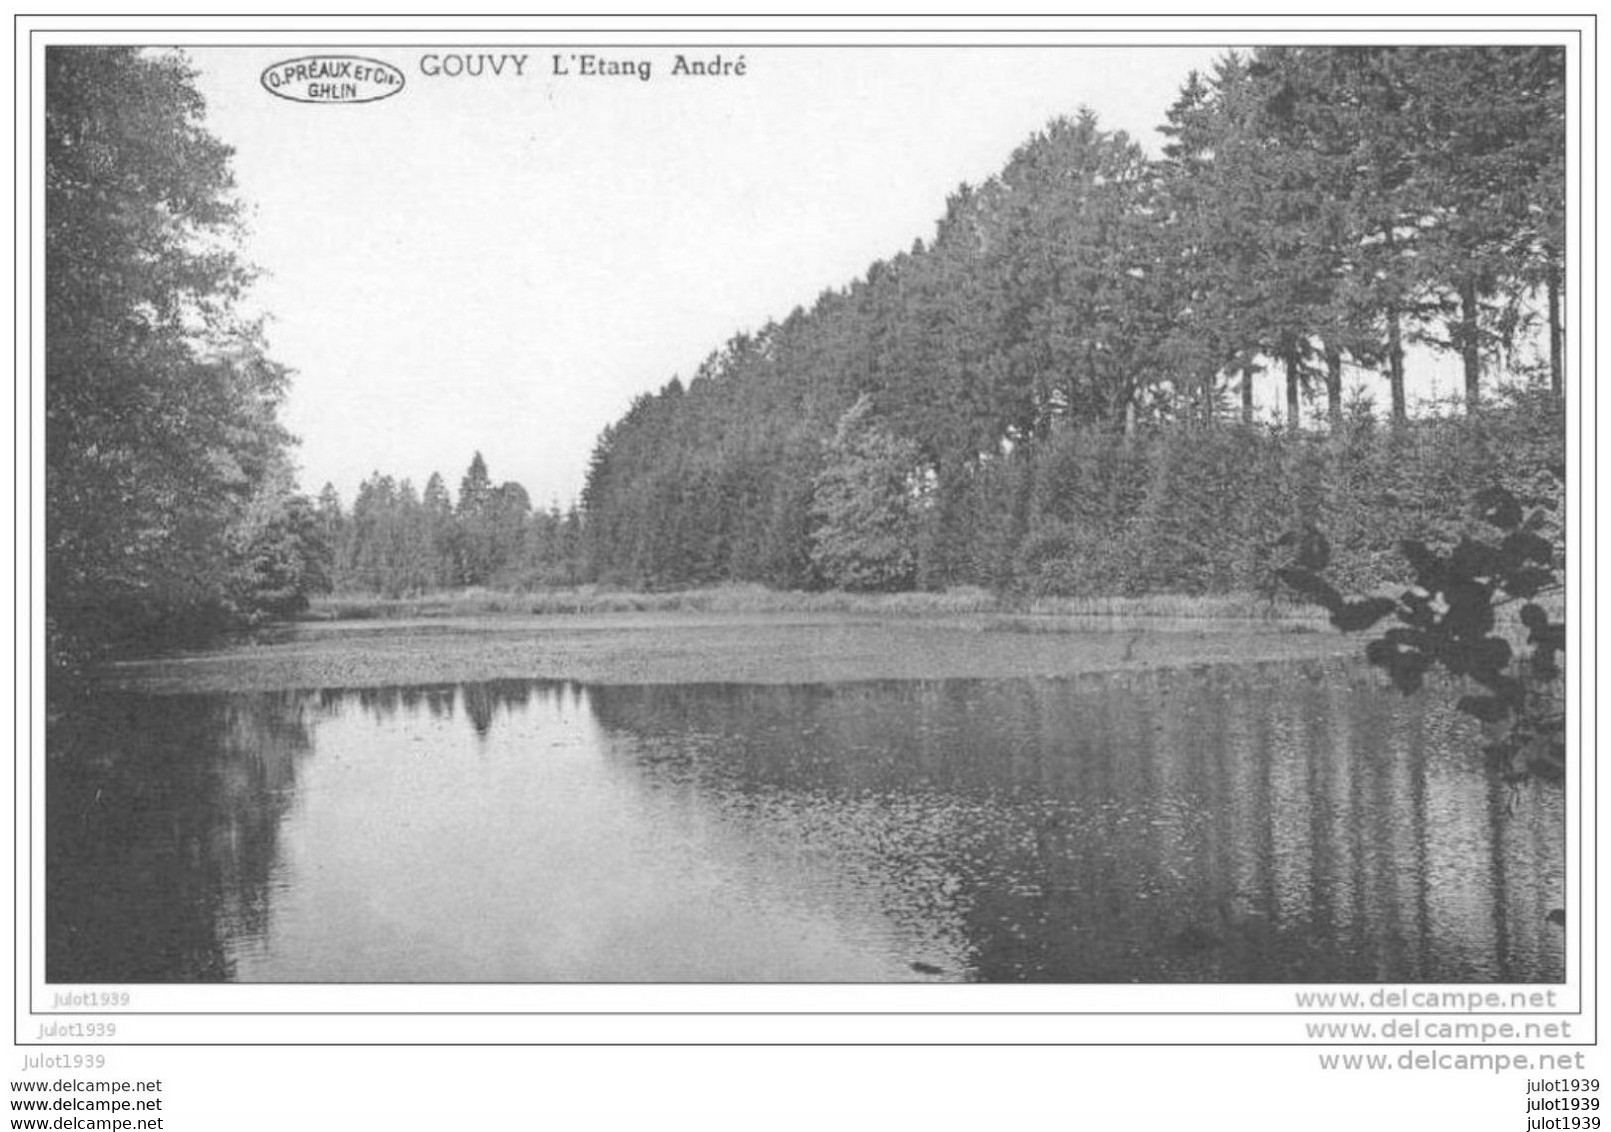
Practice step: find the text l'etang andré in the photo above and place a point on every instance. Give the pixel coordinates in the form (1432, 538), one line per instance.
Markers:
(582, 65)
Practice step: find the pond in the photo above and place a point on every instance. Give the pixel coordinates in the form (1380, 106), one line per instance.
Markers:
(1230, 823)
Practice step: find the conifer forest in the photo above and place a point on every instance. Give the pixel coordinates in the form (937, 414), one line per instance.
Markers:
(1106, 372)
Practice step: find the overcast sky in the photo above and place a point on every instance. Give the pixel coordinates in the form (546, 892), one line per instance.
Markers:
(503, 263)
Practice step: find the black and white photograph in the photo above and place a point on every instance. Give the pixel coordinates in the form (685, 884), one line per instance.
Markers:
(534, 513)
(598, 570)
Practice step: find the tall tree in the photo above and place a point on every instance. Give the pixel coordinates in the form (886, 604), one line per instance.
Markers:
(1196, 268)
(1543, 241)
(1313, 122)
(1368, 95)
(160, 401)
(475, 524)
(440, 531)
(475, 489)
(1490, 121)
(1245, 208)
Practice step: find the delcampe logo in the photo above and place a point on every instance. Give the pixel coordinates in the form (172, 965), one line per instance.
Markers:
(333, 78)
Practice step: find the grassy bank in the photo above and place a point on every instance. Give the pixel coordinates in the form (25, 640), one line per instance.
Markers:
(749, 599)
(686, 646)
(744, 635)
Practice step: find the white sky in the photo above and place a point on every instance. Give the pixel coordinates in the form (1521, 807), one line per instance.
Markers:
(503, 263)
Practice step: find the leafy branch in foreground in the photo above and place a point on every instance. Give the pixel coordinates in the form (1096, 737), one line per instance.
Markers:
(1448, 619)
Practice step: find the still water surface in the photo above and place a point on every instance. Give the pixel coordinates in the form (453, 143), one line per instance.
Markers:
(1254, 823)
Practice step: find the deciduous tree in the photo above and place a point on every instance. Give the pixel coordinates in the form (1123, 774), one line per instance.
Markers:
(160, 399)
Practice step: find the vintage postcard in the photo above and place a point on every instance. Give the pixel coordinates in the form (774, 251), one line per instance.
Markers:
(1002, 531)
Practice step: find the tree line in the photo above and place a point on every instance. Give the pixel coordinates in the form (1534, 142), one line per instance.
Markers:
(1057, 391)
(397, 541)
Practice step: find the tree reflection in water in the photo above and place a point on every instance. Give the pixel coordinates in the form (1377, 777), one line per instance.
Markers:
(162, 818)
(1260, 823)
(1254, 824)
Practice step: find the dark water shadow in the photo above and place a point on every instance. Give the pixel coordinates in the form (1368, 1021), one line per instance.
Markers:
(1270, 823)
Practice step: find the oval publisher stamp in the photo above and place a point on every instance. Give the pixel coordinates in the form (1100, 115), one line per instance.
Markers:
(332, 78)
